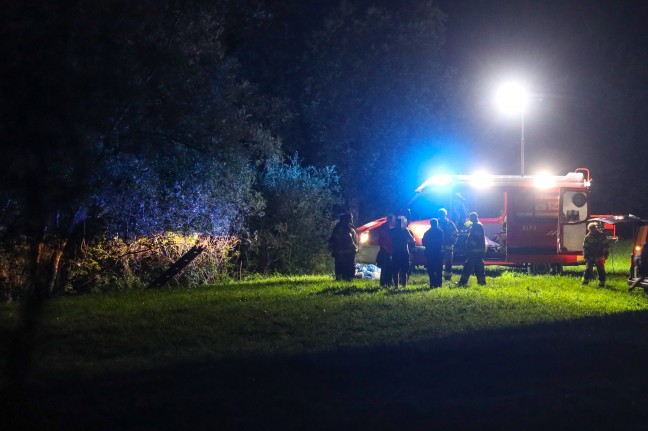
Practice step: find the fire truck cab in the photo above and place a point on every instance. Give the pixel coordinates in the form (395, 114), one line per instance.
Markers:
(535, 221)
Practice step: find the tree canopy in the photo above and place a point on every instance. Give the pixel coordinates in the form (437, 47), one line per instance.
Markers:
(369, 87)
(175, 116)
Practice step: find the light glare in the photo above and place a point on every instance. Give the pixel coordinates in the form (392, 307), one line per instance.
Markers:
(418, 230)
(440, 180)
(481, 180)
(512, 98)
(544, 181)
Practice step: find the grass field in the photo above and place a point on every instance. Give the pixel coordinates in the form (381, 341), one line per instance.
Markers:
(140, 329)
(215, 342)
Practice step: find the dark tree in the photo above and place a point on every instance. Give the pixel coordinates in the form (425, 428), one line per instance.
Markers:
(291, 237)
(100, 99)
(368, 87)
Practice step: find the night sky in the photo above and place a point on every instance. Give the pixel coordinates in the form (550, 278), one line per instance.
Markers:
(585, 61)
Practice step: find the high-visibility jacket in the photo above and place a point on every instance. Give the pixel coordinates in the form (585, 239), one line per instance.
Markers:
(596, 245)
(449, 233)
(476, 242)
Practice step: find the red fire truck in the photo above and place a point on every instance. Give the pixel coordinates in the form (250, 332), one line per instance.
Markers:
(536, 221)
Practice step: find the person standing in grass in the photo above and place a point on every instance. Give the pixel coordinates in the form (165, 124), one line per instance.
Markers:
(384, 257)
(433, 243)
(641, 263)
(402, 241)
(596, 248)
(476, 249)
(449, 240)
(343, 245)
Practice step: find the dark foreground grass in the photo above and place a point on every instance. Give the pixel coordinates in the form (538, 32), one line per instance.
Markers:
(309, 353)
(134, 330)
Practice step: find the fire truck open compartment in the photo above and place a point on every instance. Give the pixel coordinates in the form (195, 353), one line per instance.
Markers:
(535, 221)
(640, 236)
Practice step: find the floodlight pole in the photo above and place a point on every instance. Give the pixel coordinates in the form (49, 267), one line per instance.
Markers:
(522, 144)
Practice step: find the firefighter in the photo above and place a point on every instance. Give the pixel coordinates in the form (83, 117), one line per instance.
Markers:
(500, 238)
(433, 241)
(641, 264)
(384, 257)
(343, 245)
(449, 240)
(459, 210)
(596, 248)
(402, 241)
(476, 250)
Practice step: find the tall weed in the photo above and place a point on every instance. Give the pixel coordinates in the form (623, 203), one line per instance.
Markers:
(115, 264)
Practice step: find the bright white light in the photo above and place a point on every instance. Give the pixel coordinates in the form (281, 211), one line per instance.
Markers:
(512, 98)
(544, 181)
(364, 237)
(436, 181)
(418, 230)
(440, 180)
(481, 180)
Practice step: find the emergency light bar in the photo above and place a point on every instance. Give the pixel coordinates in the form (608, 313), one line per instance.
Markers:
(572, 179)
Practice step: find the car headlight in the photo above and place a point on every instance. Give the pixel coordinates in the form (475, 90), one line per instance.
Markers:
(364, 237)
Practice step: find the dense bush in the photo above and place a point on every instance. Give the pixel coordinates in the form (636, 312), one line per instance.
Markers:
(109, 264)
(113, 264)
(291, 237)
(14, 265)
(187, 193)
(142, 221)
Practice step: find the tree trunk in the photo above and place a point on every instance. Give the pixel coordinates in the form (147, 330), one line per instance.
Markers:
(36, 286)
(55, 267)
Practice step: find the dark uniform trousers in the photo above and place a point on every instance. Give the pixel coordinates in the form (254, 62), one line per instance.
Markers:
(386, 272)
(589, 269)
(435, 269)
(474, 264)
(400, 268)
(448, 256)
(345, 266)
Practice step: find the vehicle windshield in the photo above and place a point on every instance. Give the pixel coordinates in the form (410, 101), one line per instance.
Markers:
(487, 203)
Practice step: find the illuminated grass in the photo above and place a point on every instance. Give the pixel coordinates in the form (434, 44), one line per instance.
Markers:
(279, 315)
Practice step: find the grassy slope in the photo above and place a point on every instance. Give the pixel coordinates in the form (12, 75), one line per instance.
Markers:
(307, 352)
(136, 330)
(289, 315)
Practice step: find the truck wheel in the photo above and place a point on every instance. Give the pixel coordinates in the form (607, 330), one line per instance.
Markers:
(556, 269)
(539, 268)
